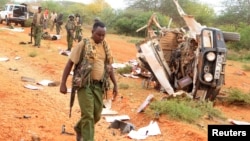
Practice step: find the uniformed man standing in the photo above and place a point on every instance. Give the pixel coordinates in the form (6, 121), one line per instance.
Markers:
(37, 25)
(59, 22)
(53, 17)
(70, 28)
(78, 34)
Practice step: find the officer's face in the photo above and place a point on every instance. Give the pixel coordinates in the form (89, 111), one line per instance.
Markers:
(98, 34)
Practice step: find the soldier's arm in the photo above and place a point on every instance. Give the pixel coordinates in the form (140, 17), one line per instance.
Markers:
(66, 72)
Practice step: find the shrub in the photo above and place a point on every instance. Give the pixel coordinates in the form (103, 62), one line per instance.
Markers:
(124, 70)
(185, 109)
(27, 23)
(238, 97)
(33, 54)
(123, 86)
(246, 67)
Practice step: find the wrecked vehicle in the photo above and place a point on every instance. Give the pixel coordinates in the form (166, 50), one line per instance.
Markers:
(190, 59)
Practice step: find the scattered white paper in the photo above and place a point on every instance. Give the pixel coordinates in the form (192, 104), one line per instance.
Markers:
(145, 103)
(118, 65)
(4, 59)
(107, 103)
(65, 52)
(119, 117)
(237, 122)
(106, 111)
(45, 82)
(14, 29)
(151, 130)
(32, 87)
(134, 135)
(17, 58)
(130, 75)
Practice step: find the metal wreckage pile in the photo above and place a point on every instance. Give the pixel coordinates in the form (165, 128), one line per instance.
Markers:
(189, 60)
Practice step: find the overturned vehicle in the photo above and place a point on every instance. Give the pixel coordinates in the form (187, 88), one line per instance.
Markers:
(190, 59)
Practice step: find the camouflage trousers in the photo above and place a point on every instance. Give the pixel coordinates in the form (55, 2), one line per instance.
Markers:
(58, 29)
(78, 33)
(37, 32)
(70, 40)
(90, 100)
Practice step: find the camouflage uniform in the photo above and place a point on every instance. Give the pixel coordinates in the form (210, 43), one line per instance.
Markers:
(70, 28)
(59, 22)
(78, 21)
(37, 25)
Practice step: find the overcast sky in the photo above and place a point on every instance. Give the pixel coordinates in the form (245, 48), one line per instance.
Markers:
(120, 4)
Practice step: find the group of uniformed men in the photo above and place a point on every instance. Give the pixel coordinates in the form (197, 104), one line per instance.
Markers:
(73, 26)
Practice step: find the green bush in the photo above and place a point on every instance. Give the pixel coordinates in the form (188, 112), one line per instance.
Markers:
(125, 70)
(123, 86)
(27, 23)
(185, 109)
(236, 96)
(33, 54)
(239, 55)
(246, 67)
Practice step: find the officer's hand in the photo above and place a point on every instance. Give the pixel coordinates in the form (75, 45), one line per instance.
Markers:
(63, 89)
(115, 92)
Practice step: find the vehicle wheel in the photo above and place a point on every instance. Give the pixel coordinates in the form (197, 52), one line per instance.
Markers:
(212, 94)
(16, 23)
(231, 36)
(1, 21)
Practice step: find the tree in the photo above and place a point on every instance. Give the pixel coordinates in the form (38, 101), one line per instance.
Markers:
(235, 11)
(3, 2)
(202, 13)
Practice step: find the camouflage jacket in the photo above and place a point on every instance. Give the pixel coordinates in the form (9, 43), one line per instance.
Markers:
(70, 25)
(41, 20)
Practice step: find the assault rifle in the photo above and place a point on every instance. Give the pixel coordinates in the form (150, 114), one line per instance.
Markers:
(72, 99)
(31, 33)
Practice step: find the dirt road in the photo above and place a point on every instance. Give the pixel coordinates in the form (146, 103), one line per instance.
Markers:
(41, 113)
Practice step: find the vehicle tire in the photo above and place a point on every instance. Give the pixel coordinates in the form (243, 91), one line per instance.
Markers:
(212, 94)
(231, 36)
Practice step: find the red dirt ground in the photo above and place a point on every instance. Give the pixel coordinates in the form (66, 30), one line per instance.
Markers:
(47, 110)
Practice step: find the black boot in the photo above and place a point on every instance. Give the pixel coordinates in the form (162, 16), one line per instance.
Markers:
(78, 134)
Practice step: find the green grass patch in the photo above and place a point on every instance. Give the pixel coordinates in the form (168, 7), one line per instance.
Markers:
(242, 55)
(246, 67)
(33, 54)
(237, 97)
(125, 70)
(185, 109)
(123, 86)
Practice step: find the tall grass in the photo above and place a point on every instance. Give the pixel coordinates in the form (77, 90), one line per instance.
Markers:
(238, 97)
(185, 109)
(242, 55)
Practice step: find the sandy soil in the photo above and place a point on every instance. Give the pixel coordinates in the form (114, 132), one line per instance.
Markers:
(42, 113)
